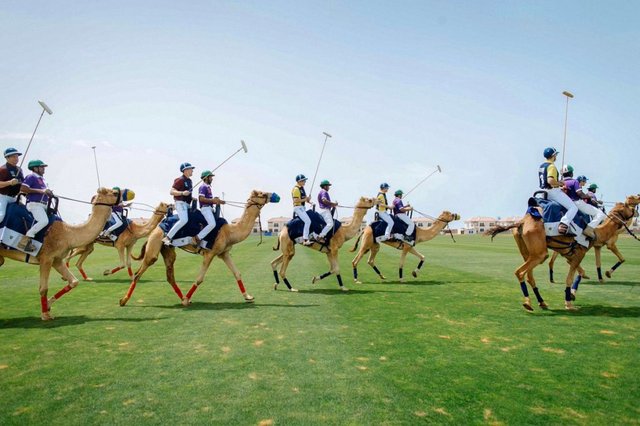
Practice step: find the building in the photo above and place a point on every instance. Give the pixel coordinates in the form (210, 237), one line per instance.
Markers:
(508, 221)
(479, 224)
(256, 226)
(347, 220)
(275, 224)
(423, 222)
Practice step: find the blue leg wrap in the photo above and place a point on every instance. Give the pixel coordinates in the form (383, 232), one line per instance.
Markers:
(523, 286)
(576, 282)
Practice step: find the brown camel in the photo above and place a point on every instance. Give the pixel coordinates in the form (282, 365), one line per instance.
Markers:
(59, 240)
(228, 235)
(125, 242)
(610, 244)
(369, 244)
(342, 235)
(533, 245)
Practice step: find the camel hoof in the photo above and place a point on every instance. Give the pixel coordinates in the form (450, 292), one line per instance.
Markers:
(46, 316)
(186, 301)
(248, 298)
(124, 301)
(573, 297)
(275, 286)
(570, 307)
(414, 274)
(382, 277)
(552, 281)
(344, 289)
(293, 290)
(528, 307)
(50, 302)
(401, 280)
(608, 274)
(586, 277)
(601, 281)
(543, 306)
(88, 279)
(106, 272)
(357, 281)
(314, 279)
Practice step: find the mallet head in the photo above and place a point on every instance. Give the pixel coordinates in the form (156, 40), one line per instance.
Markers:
(327, 134)
(567, 94)
(439, 169)
(45, 107)
(244, 146)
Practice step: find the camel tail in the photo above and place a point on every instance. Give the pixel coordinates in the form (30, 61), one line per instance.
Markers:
(141, 255)
(355, 246)
(278, 246)
(499, 229)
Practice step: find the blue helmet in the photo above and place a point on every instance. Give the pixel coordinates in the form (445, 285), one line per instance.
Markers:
(300, 177)
(384, 185)
(185, 166)
(550, 152)
(11, 151)
(582, 179)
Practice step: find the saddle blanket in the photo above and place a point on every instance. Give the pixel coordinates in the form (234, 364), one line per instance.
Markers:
(16, 223)
(191, 229)
(551, 214)
(296, 226)
(397, 232)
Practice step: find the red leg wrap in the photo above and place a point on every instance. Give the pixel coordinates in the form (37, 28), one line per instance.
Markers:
(131, 288)
(84, 274)
(177, 290)
(114, 270)
(241, 285)
(130, 271)
(191, 291)
(62, 292)
(44, 304)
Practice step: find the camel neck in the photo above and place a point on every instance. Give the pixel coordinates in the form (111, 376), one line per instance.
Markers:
(353, 228)
(145, 228)
(80, 235)
(430, 232)
(240, 231)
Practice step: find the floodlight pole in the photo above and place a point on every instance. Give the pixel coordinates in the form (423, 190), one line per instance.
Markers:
(566, 115)
(46, 109)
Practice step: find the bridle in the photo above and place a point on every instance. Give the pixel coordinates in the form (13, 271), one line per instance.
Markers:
(621, 220)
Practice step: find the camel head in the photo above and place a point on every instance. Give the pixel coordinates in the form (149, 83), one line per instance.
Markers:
(446, 216)
(628, 209)
(106, 196)
(163, 208)
(365, 202)
(259, 198)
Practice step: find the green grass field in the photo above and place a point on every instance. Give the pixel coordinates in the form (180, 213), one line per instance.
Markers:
(452, 346)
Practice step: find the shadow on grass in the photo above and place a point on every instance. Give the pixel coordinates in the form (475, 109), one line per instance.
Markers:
(220, 306)
(627, 283)
(36, 322)
(412, 282)
(352, 291)
(601, 311)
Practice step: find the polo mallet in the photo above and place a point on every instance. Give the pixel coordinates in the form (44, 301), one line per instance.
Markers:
(326, 136)
(566, 114)
(437, 170)
(44, 108)
(95, 159)
(242, 148)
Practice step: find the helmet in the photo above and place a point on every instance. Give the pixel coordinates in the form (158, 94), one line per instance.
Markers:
(384, 185)
(185, 166)
(11, 151)
(205, 174)
(593, 187)
(325, 183)
(300, 177)
(550, 152)
(398, 192)
(116, 188)
(582, 179)
(127, 195)
(567, 168)
(35, 163)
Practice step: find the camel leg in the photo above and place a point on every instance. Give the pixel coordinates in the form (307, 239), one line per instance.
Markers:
(45, 270)
(552, 261)
(120, 265)
(371, 261)
(420, 256)
(598, 251)
(150, 257)
(354, 263)
(532, 282)
(334, 269)
(283, 271)
(620, 261)
(169, 257)
(523, 271)
(571, 285)
(84, 253)
(226, 258)
(128, 260)
(66, 274)
(274, 268)
(206, 262)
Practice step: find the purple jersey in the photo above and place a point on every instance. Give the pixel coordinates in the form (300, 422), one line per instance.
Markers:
(118, 209)
(34, 181)
(324, 195)
(397, 205)
(205, 191)
(572, 187)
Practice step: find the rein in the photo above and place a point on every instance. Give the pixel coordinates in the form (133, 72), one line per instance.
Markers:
(85, 202)
(622, 222)
(438, 219)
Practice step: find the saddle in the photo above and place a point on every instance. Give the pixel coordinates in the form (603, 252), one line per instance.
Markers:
(17, 222)
(296, 226)
(552, 212)
(196, 222)
(116, 232)
(397, 232)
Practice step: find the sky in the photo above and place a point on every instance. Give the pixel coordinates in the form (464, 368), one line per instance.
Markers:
(403, 86)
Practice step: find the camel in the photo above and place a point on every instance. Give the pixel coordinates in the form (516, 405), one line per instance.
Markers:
(60, 239)
(533, 245)
(125, 242)
(228, 235)
(610, 244)
(422, 235)
(342, 235)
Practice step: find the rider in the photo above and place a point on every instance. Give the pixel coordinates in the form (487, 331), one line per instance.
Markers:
(400, 211)
(207, 201)
(299, 199)
(325, 203)
(116, 214)
(592, 195)
(10, 179)
(584, 206)
(37, 199)
(383, 206)
(181, 192)
(548, 180)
